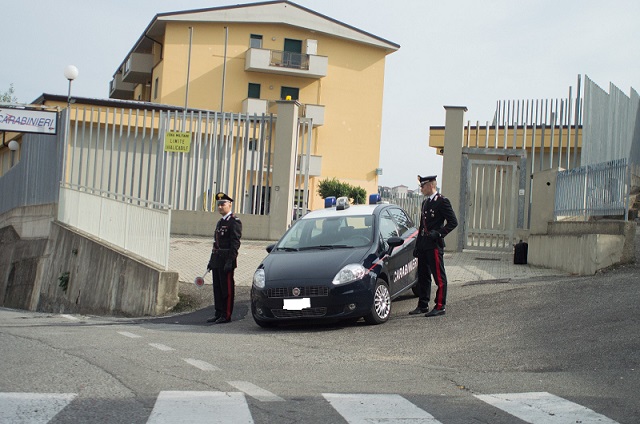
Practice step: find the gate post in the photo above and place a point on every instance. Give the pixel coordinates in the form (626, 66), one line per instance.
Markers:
(284, 168)
(452, 167)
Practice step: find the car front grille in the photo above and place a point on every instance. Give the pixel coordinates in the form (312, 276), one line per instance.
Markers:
(309, 312)
(285, 292)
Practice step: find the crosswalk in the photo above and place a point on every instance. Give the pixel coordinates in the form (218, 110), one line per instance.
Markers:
(232, 407)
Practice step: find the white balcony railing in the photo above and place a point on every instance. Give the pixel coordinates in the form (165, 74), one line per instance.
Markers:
(286, 63)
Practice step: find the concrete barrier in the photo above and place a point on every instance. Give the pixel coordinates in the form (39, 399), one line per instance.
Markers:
(583, 248)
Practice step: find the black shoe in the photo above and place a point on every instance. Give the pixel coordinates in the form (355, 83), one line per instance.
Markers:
(214, 318)
(435, 312)
(419, 310)
(222, 320)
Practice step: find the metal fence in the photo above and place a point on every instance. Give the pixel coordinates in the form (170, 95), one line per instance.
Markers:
(34, 179)
(593, 190)
(611, 125)
(412, 204)
(133, 224)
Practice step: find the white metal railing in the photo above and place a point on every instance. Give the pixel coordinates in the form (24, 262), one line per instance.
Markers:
(135, 225)
(593, 190)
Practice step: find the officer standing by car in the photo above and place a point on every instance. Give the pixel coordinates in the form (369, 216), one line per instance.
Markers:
(437, 219)
(223, 259)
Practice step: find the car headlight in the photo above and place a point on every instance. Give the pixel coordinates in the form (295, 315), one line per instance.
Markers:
(349, 273)
(258, 278)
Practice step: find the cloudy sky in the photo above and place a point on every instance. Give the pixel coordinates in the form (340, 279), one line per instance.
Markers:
(463, 53)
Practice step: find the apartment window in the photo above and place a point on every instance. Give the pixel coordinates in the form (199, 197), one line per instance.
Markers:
(255, 41)
(254, 91)
(155, 89)
(289, 91)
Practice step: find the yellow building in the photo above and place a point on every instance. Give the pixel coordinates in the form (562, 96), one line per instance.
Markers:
(243, 58)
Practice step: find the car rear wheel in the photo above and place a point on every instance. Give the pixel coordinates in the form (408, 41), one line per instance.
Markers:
(381, 307)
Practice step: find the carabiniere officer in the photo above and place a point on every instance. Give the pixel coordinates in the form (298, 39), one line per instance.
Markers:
(223, 261)
(437, 219)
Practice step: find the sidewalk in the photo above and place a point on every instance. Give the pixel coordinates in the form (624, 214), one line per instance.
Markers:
(189, 257)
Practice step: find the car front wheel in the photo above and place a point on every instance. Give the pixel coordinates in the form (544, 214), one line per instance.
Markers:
(381, 307)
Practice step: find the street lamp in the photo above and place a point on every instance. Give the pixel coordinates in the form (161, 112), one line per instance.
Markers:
(70, 73)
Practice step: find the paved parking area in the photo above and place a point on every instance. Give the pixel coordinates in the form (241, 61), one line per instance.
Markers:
(189, 257)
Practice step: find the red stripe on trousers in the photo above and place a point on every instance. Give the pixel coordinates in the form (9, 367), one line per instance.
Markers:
(438, 276)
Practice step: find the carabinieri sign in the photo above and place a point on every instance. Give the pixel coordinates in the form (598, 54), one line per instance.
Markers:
(28, 121)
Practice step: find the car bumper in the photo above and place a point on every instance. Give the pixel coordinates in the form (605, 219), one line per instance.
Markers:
(340, 302)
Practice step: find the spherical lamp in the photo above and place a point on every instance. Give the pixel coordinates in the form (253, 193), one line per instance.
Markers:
(71, 72)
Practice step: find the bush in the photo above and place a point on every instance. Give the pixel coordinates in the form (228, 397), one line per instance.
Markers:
(333, 187)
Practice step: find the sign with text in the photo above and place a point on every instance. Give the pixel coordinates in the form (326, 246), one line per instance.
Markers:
(28, 121)
(176, 141)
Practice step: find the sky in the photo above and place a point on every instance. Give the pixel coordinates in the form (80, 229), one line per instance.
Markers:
(456, 53)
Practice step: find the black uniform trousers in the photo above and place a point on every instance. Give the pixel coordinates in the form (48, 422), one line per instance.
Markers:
(431, 263)
(224, 290)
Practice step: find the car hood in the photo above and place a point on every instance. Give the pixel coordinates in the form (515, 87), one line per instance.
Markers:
(310, 264)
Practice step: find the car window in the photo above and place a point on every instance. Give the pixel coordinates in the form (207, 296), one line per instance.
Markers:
(349, 231)
(387, 226)
(402, 220)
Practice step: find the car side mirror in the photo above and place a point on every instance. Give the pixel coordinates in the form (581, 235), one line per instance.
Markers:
(394, 242)
(270, 247)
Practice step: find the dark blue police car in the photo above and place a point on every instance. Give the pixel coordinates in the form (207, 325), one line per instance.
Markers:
(341, 262)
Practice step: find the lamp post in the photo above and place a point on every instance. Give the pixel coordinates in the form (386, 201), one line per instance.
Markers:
(70, 73)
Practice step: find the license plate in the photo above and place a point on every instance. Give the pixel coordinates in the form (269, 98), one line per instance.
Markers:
(296, 304)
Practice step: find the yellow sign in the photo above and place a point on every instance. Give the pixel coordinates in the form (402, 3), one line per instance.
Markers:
(175, 141)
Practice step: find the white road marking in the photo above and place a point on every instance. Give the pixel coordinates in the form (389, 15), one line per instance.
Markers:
(32, 408)
(130, 335)
(204, 366)
(70, 317)
(255, 392)
(544, 408)
(161, 347)
(200, 407)
(372, 408)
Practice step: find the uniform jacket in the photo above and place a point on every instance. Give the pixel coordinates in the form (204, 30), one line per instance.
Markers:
(438, 215)
(226, 242)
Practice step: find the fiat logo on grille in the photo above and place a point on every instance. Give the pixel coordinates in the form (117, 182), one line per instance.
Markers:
(295, 291)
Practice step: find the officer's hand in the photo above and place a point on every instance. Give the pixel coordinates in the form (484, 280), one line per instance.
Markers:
(209, 266)
(434, 235)
(415, 253)
(228, 266)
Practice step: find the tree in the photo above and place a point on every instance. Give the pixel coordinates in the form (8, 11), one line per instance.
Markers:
(333, 187)
(7, 96)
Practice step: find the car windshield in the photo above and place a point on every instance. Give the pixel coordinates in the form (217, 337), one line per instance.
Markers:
(335, 232)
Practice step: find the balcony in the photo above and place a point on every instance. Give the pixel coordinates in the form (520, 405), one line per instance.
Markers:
(137, 68)
(255, 106)
(262, 106)
(286, 63)
(315, 112)
(119, 89)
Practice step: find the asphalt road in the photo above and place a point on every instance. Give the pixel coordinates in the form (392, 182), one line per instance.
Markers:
(571, 339)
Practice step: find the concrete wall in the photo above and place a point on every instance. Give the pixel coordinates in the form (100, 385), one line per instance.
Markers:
(102, 280)
(583, 248)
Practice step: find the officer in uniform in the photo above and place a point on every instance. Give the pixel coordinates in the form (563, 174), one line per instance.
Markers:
(223, 261)
(436, 210)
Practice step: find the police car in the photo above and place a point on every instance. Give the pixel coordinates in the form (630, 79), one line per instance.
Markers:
(341, 262)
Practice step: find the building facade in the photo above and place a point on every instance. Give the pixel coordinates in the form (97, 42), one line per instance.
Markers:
(244, 58)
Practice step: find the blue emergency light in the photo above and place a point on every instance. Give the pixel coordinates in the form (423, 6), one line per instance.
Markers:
(374, 199)
(329, 202)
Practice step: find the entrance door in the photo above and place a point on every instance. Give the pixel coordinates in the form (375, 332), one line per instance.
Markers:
(292, 56)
